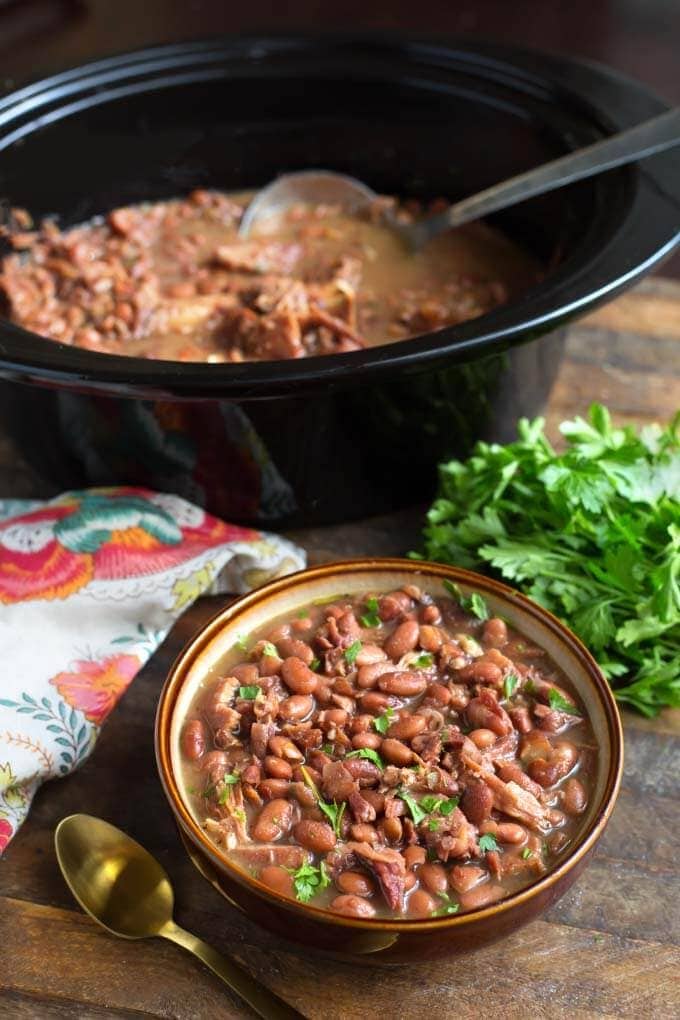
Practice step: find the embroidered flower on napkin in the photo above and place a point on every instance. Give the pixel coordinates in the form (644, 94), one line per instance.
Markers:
(90, 584)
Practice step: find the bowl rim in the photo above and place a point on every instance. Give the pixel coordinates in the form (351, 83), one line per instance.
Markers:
(291, 582)
(29, 357)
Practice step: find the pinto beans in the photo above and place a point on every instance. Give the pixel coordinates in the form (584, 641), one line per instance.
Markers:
(483, 738)
(438, 695)
(271, 789)
(367, 677)
(352, 906)
(407, 727)
(282, 747)
(421, 904)
(393, 605)
(362, 832)
(297, 707)
(315, 836)
(574, 798)
(481, 896)
(433, 877)
(402, 640)
(194, 740)
(274, 821)
(375, 702)
(476, 802)
(462, 878)
(375, 799)
(482, 671)
(370, 655)
(364, 771)
(430, 614)
(393, 829)
(509, 832)
(430, 638)
(404, 685)
(414, 855)
(495, 632)
(278, 879)
(370, 740)
(297, 676)
(277, 768)
(246, 674)
(355, 883)
(294, 647)
(396, 752)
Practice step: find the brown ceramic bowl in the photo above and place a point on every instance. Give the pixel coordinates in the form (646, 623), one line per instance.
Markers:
(397, 941)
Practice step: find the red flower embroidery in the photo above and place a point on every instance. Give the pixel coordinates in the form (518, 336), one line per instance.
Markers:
(6, 833)
(95, 687)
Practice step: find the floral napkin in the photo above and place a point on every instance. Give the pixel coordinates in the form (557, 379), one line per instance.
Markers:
(90, 584)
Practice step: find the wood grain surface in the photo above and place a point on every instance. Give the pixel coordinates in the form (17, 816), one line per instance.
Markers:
(609, 948)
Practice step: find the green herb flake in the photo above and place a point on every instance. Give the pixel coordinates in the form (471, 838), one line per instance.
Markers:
(561, 704)
(369, 754)
(510, 684)
(352, 652)
(417, 813)
(269, 649)
(487, 843)
(448, 906)
(598, 938)
(371, 619)
(423, 661)
(314, 664)
(431, 803)
(249, 693)
(473, 604)
(448, 806)
(333, 812)
(328, 749)
(526, 853)
(302, 614)
(591, 532)
(382, 722)
(433, 824)
(309, 880)
(242, 642)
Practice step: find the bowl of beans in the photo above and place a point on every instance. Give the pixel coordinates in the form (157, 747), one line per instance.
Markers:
(388, 757)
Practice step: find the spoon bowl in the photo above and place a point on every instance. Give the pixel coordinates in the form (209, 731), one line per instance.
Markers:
(114, 879)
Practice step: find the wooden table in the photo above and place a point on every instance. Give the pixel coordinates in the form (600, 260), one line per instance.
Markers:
(608, 948)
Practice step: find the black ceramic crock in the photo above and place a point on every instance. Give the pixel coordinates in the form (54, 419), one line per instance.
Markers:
(320, 439)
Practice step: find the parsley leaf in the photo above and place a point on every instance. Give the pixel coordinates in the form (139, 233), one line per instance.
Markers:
(302, 614)
(526, 853)
(433, 824)
(370, 754)
(487, 842)
(473, 604)
(334, 811)
(510, 684)
(417, 813)
(449, 906)
(592, 533)
(352, 652)
(250, 692)
(448, 806)
(371, 617)
(314, 664)
(422, 661)
(556, 701)
(309, 880)
(269, 649)
(242, 642)
(382, 723)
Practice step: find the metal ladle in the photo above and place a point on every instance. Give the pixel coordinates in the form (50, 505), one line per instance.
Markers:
(122, 887)
(325, 187)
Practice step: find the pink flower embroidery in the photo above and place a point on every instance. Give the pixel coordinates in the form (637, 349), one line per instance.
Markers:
(6, 833)
(95, 687)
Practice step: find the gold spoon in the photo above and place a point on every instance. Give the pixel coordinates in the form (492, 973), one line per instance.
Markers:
(119, 884)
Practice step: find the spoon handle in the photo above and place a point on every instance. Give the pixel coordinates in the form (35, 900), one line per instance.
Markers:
(638, 142)
(264, 1002)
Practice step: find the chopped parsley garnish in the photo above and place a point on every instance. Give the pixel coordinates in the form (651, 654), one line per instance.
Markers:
(382, 723)
(369, 754)
(430, 802)
(352, 652)
(438, 805)
(309, 880)
(526, 853)
(487, 843)
(334, 811)
(250, 692)
(417, 813)
(433, 824)
(371, 618)
(229, 781)
(242, 642)
(302, 614)
(448, 906)
(328, 749)
(473, 604)
(269, 649)
(314, 664)
(530, 687)
(423, 661)
(448, 806)
(510, 684)
(561, 704)
(590, 532)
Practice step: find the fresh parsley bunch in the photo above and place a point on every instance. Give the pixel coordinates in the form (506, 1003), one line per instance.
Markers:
(593, 534)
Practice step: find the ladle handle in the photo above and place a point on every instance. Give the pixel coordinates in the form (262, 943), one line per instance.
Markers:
(264, 1002)
(638, 142)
